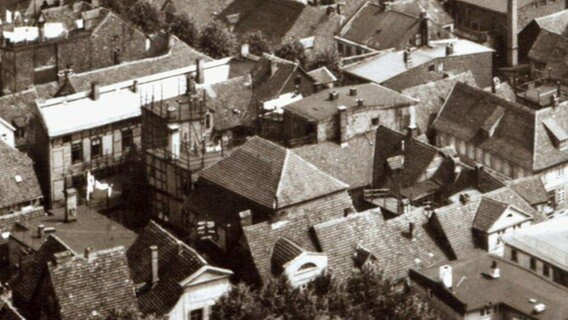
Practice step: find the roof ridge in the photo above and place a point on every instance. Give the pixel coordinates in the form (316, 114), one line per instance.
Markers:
(176, 241)
(281, 176)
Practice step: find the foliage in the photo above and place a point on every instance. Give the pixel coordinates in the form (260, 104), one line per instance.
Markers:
(365, 295)
(293, 51)
(185, 29)
(217, 41)
(126, 314)
(257, 42)
(147, 16)
(329, 59)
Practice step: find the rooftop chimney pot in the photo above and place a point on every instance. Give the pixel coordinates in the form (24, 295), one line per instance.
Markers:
(154, 257)
(353, 91)
(445, 275)
(41, 231)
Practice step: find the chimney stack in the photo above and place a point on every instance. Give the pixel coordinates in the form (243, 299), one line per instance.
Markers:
(135, 87)
(446, 276)
(40, 231)
(89, 254)
(353, 92)
(512, 32)
(191, 86)
(333, 95)
(95, 90)
(425, 27)
(41, 27)
(360, 102)
(154, 253)
(246, 218)
(412, 127)
(411, 230)
(407, 57)
(245, 50)
(342, 125)
(494, 272)
(449, 49)
(70, 205)
(273, 67)
(200, 71)
(63, 257)
(339, 8)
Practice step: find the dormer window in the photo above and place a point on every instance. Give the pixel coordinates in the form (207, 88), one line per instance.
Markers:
(558, 135)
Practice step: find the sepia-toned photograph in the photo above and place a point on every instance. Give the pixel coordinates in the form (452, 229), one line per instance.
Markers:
(283, 159)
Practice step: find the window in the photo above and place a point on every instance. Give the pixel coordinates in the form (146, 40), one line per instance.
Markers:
(96, 148)
(375, 121)
(208, 121)
(561, 196)
(127, 139)
(66, 139)
(76, 152)
(196, 314)
(432, 68)
(440, 67)
(561, 172)
(514, 255)
(546, 270)
(533, 264)
(418, 40)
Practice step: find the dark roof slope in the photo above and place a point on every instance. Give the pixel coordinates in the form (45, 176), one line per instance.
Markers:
(318, 106)
(284, 251)
(283, 21)
(388, 241)
(95, 286)
(18, 181)
(520, 135)
(531, 189)
(487, 214)
(270, 175)
(231, 101)
(177, 261)
(8, 312)
(261, 238)
(432, 95)
(352, 164)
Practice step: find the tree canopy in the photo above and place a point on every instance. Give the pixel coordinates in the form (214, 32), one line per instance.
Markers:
(217, 41)
(365, 295)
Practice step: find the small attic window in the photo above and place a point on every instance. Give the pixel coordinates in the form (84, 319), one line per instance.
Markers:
(18, 178)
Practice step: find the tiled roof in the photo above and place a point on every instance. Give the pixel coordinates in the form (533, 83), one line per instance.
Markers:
(26, 286)
(388, 241)
(261, 238)
(18, 181)
(283, 21)
(531, 189)
(544, 46)
(455, 222)
(376, 28)
(433, 7)
(269, 84)
(432, 96)
(322, 76)
(95, 286)
(520, 135)
(231, 101)
(388, 65)
(495, 5)
(92, 229)
(515, 287)
(176, 262)
(352, 164)
(284, 251)
(487, 213)
(555, 23)
(270, 175)
(180, 55)
(318, 106)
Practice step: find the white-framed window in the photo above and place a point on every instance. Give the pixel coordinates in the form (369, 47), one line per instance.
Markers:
(560, 196)
(560, 172)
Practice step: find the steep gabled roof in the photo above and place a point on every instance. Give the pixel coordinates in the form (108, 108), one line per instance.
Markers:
(284, 251)
(531, 189)
(176, 263)
(18, 181)
(520, 136)
(487, 213)
(95, 286)
(270, 175)
(388, 241)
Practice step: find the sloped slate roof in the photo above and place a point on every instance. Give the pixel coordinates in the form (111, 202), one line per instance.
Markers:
(531, 189)
(13, 165)
(285, 250)
(520, 136)
(270, 175)
(432, 96)
(83, 287)
(387, 240)
(33, 275)
(176, 262)
(487, 213)
(261, 238)
(352, 164)
(231, 101)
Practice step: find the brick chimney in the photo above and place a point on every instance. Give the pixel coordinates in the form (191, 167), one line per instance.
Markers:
(449, 49)
(512, 32)
(494, 271)
(246, 218)
(40, 231)
(342, 125)
(200, 71)
(95, 91)
(411, 228)
(135, 86)
(412, 127)
(425, 26)
(70, 205)
(407, 57)
(89, 254)
(155, 261)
